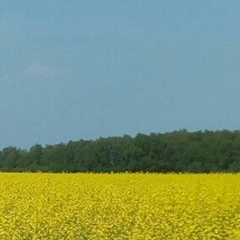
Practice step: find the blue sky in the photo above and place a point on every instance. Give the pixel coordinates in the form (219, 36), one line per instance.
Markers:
(84, 69)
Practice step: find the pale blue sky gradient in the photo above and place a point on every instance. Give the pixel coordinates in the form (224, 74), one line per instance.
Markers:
(84, 69)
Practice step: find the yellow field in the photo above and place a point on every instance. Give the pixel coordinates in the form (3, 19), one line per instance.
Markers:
(119, 206)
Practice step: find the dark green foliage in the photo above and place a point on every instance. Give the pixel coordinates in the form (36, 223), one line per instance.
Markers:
(178, 151)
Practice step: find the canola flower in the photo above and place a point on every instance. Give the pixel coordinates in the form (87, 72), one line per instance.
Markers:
(119, 206)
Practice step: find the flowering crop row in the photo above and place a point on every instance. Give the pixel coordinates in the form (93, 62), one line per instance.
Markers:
(119, 206)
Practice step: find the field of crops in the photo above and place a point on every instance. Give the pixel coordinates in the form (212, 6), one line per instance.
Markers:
(119, 206)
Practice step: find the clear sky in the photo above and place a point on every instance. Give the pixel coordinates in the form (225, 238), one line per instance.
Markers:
(89, 68)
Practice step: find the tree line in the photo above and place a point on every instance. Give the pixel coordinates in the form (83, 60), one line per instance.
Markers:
(178, 151)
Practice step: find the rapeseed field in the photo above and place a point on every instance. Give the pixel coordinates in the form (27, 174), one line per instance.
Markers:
(119, 206)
